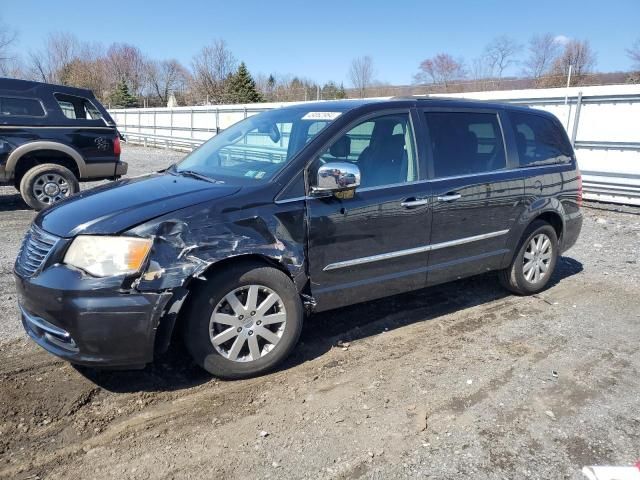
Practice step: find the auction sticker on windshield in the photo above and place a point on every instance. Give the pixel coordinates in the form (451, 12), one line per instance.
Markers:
(321, 115)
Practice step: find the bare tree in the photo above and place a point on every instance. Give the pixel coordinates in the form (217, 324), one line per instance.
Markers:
(7, 39)
(166, 77)
(127, 64)
(361, 73)
(580, 56)
(442, 68)
(212, 67)
(634, 54)
(501, 53)
(90, 70)
(543, 52)
(51, 64)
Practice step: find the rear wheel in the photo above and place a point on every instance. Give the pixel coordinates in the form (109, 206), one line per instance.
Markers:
(244, 321)
(44, 185)
(533, 265)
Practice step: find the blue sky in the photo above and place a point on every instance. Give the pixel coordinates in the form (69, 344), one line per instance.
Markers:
(317, 40)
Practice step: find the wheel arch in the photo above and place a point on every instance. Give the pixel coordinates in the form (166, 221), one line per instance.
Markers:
(248, 258)
(171, 325)
(551, 212)
(554, 219)
(29, 150)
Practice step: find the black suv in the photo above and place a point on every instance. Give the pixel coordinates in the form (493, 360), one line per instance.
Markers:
(306, 208)
(53, 136)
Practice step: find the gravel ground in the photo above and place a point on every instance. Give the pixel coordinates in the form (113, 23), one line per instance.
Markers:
(15, 217)
(457, 381)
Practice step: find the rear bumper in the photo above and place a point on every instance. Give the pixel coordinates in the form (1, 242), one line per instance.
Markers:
(572, 229)
(121, 168)
(102, 170)
(89, 326)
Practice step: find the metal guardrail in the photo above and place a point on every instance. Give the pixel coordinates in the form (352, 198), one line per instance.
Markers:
(633, 146)
(147, 140)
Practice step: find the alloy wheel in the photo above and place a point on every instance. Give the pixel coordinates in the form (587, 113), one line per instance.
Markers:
(247, 323)
(537, 258)
(49, 188)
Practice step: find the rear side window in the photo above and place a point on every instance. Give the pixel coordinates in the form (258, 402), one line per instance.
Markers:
(74, 107)
(465, 143)
(20, 107)
(540, 141)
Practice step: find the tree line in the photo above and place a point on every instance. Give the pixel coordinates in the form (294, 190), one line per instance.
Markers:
(121, 75)
(544, 62)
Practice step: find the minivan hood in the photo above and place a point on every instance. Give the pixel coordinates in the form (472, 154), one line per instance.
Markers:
(119, 206)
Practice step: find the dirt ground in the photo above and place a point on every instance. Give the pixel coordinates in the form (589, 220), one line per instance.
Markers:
(457, 381)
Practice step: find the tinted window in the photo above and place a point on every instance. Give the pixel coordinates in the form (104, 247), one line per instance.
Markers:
(20, 107)
(465, 143)
(539, 140)
(381, 147)
(77, 107)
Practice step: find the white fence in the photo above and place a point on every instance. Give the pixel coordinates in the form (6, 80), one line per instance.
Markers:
(602, 122)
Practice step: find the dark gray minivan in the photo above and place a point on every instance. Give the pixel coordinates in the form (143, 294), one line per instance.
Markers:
(298, 210)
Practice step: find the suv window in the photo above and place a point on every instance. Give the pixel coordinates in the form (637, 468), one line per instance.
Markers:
(20, 107)
(465, 143)
(382, 148)
(77, 107)
(540, 141)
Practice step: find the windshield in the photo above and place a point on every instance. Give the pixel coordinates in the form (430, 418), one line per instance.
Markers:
(258, 147)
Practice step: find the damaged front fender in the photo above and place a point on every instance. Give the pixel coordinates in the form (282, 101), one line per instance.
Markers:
(186, 244)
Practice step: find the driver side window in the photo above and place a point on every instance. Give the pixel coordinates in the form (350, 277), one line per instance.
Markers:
(381, 147)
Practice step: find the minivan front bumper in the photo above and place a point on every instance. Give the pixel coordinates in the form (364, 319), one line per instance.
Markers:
(90, 326)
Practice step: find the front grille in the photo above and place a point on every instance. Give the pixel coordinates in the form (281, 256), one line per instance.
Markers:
(35, 249)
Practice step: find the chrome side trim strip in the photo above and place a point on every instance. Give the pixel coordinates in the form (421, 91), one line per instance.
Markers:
(413, 251)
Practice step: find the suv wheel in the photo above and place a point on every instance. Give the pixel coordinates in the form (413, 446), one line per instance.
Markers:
(44, 185)
(532, 267)
(244, 321)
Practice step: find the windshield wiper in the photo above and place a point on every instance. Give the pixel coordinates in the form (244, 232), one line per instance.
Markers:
(199, 176)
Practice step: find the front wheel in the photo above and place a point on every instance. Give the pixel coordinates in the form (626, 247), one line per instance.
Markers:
(533, 265)
(244, 321)
(46, 184)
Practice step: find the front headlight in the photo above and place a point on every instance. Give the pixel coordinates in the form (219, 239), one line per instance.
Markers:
(107, 256)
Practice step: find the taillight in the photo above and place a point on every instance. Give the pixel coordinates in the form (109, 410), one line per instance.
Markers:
(579, 197)
(116, 146)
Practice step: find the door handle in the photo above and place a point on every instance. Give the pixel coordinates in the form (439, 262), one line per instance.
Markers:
(414, 202)
(449, 197)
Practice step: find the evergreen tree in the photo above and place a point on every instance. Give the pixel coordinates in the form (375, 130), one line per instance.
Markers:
(331, 91)
(342, 93)
(271, 82)
(121, 98)
(241, 88)
(271, 88)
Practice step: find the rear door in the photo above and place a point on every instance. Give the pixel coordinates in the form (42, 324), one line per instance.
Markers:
(374, 244)
(477, 194)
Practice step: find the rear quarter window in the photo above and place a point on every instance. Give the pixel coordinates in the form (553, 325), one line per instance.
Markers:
(20, 107)
(539, 140)
(77, 108)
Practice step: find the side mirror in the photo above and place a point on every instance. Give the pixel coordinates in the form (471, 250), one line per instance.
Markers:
(337, 177)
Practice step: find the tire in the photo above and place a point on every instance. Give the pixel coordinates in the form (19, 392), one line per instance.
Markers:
(243, 347)
(521, 280)
(44, 185)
